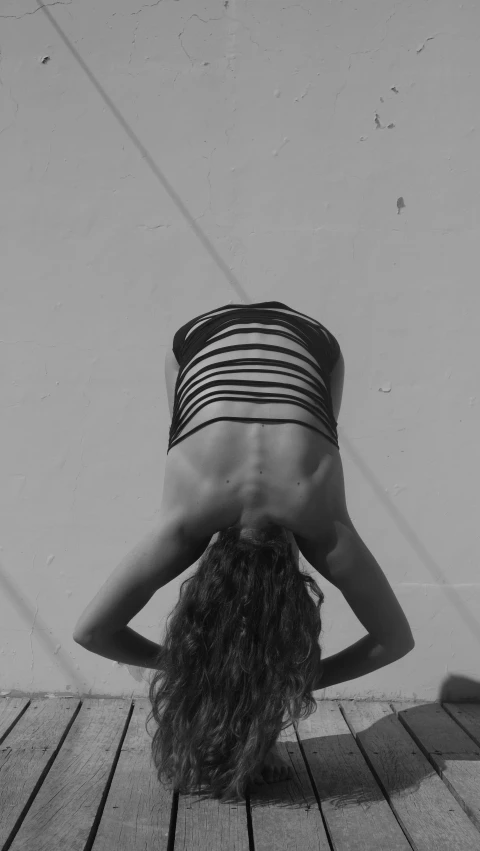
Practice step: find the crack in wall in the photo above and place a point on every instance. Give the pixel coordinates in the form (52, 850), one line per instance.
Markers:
(57, 3)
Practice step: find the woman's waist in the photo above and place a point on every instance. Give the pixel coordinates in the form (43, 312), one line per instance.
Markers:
(302, 410)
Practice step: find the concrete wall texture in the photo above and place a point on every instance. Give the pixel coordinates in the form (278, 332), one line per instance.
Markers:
(159, 160)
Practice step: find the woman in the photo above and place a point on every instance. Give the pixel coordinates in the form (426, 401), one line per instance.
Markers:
(253, 475)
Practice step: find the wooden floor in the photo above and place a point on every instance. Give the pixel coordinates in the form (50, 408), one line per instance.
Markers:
(368, 776)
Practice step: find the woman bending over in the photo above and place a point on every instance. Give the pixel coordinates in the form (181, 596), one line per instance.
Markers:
(253, 477)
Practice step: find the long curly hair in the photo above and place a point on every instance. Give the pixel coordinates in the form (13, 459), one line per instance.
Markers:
(238, 664)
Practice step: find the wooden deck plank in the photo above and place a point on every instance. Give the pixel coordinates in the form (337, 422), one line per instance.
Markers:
(28, 748)
(206, 824)
(70, 771)
(11, 708)
(454, 754)
(430, 816)
(285, 815)
(137, 810)
(467, 715)
(63, 811)
(353, 805)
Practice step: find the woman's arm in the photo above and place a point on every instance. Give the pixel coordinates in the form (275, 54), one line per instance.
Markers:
(125, 646)
(361, 658)
(343, 558)
(160, 557)
(352, 568)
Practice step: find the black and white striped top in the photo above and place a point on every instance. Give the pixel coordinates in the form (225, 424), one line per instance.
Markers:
(191, 346)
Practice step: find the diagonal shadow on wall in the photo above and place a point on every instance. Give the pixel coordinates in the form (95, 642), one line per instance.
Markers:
(415, 542)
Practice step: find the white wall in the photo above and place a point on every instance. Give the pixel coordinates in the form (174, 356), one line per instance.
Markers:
(170, 157)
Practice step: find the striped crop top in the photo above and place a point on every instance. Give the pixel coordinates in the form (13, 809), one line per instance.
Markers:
(194, 337)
